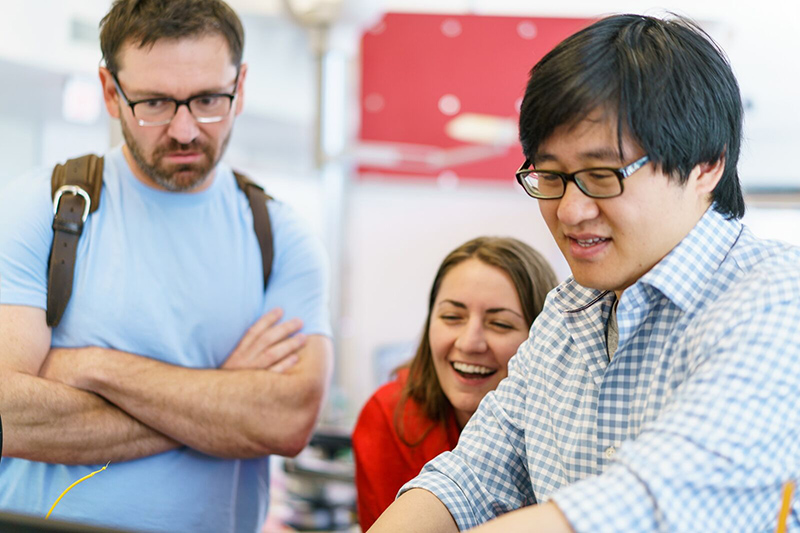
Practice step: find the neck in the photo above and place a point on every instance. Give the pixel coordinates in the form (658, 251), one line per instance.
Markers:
(462, 418)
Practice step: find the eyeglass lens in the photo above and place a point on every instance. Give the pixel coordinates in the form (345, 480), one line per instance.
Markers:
(594, 182)
(203, 106)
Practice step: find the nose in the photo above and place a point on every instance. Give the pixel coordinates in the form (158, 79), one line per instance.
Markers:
(575, 207)
(472, 338)
(183, 127)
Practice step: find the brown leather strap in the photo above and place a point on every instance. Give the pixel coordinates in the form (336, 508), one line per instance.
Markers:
(71, 185)
(86, 174)
(261, 223)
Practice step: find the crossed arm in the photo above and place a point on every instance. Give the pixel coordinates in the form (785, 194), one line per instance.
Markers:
(91, 405)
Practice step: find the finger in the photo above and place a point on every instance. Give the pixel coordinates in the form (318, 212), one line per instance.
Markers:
(276, 334)
(279, 351)
(285, 364)
(266, 349)
(266, 321)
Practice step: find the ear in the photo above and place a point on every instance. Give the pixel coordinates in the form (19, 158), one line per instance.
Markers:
(110, 95)
(240, 88)
(705, 176)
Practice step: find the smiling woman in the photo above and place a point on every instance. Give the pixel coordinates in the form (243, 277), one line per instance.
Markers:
(484, 299)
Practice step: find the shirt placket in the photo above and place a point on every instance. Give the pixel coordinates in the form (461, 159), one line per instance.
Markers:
(587, 328)
(618, 386)
(612, 415)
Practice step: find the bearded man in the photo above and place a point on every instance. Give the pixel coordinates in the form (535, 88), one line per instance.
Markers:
(172, 360)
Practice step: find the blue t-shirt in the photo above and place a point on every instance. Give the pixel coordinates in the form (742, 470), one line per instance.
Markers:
(176, 277)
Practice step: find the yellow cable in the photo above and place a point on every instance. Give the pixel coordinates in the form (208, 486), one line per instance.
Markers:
(786, 506)
(84, 478)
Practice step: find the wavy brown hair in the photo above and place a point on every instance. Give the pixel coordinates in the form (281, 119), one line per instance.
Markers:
(532, 277)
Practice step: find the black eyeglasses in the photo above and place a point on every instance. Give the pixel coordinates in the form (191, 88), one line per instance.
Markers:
(205, 108)
(593, 182)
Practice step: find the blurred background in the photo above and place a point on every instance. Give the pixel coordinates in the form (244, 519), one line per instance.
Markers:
(390, 125)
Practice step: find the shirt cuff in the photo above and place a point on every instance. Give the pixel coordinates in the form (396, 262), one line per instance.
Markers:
(616, 500)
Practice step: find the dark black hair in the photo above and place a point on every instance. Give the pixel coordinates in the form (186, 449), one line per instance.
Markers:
(669, 84)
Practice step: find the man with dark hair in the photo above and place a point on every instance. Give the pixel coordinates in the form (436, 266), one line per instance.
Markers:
(658, 390)
(171, 359)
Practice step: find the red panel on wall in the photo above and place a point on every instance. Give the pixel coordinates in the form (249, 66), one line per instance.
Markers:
(440, 94)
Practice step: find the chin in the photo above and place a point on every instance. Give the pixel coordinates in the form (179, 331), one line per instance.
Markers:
(590, 281)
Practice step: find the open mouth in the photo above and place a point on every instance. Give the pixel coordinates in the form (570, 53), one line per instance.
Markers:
(588, 243)
(472, 371)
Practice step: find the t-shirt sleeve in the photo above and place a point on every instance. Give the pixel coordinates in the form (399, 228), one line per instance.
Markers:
(299, 282)
(26, 236)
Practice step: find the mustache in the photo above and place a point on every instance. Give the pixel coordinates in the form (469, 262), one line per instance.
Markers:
(174, 146)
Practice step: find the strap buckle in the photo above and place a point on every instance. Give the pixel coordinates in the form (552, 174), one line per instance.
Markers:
(73, 189)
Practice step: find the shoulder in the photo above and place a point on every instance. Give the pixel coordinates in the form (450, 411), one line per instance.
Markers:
(26, 211)
(26, 196)
(291, 234)
(762, 283)
(293, 237)
(762, 273)
(26, 235)
(285, 220)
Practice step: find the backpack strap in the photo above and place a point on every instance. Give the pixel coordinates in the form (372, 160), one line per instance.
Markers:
(75, 189)
(258, 205)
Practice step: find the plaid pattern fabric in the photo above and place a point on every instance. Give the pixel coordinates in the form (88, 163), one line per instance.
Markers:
(693, 426)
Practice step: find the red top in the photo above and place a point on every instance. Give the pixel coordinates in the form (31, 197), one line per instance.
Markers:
(384, 463)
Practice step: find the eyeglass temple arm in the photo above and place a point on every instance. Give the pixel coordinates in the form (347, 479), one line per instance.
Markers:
(636, 165)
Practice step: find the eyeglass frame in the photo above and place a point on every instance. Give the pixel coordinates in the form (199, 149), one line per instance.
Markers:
(566, 177)
(178, 103)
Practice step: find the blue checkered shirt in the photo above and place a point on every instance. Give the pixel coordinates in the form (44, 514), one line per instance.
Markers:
(694, 425)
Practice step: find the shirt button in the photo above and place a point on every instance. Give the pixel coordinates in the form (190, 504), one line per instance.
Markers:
(610, 452)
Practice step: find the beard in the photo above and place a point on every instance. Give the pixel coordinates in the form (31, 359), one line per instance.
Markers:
(175, 178)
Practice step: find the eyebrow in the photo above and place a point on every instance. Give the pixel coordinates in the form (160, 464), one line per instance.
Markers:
(153, 95)
(492, 310)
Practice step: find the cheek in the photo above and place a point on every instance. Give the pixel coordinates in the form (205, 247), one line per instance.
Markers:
(548, 209)
(145, 138)
(441, 341)
(217, 132)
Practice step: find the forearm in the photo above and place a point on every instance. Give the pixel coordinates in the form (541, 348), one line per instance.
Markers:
(51, 422)
(420, 511)
(226, 413)
(546, 518)
(416, 510)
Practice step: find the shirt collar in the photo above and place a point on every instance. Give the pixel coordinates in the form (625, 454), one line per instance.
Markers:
(571, 297)
(680, 276)
(685, 272)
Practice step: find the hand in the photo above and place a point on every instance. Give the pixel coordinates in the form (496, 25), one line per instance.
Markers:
(268, 345)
